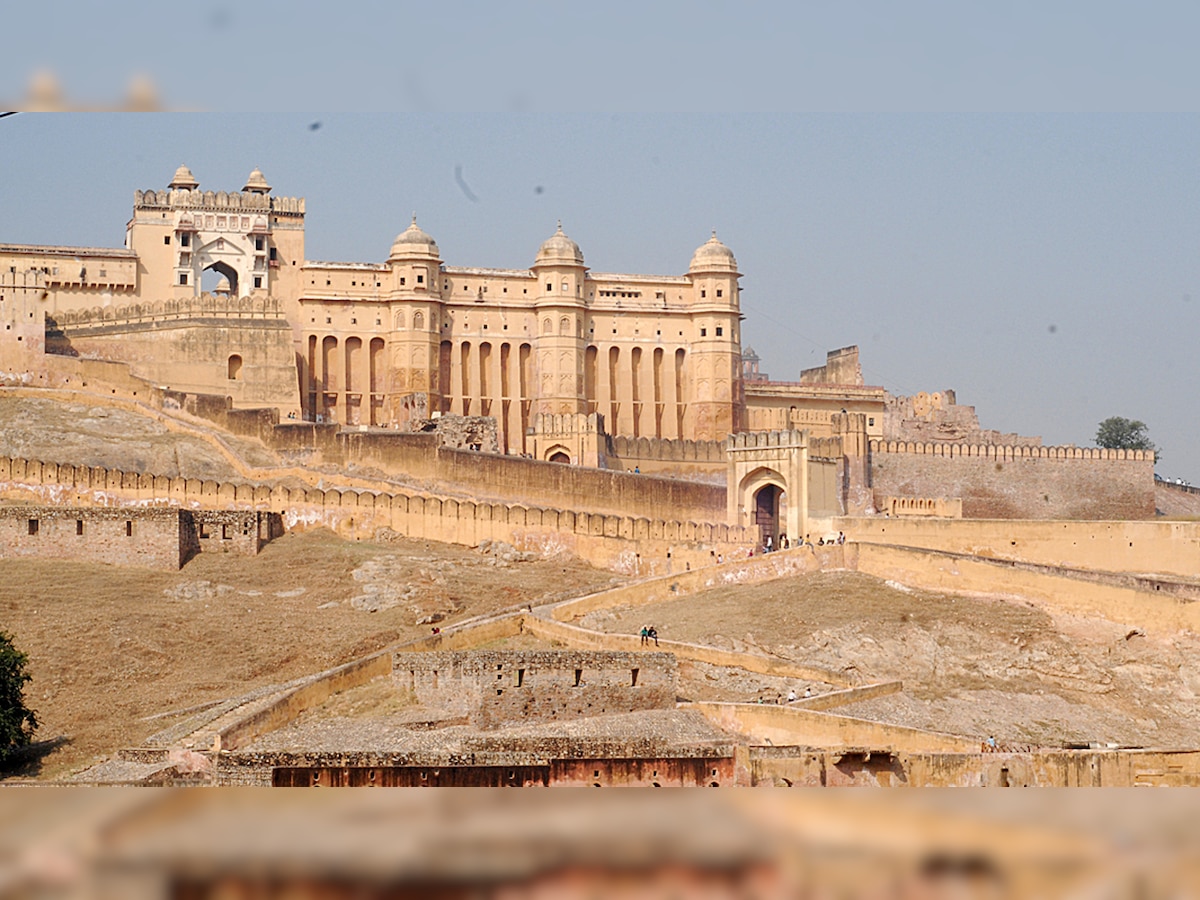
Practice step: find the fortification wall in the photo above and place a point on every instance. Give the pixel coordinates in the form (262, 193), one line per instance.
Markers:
(787, 725)
(236, 347)
(1145, 547)
(154, 538)
(1018, 482)
(631, 545)
(495, 688)
(694, 460)
(568, 487)
(1160, 612)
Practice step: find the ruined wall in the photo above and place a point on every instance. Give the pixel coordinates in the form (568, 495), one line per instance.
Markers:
(494, 688)
(841, 367)
(154, 538)
(233, 531)
(937, 417)
(1007, 482)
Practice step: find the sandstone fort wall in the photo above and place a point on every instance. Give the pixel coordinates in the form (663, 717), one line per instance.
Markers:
(1165, 548)
(1018, 482)
(495, 688)
(633, 545)
(932, 570)
(154, 538)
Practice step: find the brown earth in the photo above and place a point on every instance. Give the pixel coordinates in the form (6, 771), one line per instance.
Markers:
(109, 645)
(1175, 502)
(89, 434)
(973, 666)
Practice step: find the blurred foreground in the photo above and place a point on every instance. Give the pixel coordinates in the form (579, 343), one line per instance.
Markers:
(243, 843)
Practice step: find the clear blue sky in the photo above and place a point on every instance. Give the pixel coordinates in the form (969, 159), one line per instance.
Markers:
(1043, 264)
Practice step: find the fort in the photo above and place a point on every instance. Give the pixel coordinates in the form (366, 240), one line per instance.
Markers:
(614, 417)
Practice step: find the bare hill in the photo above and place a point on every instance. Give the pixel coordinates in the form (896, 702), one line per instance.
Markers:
(109, 646)
(974, 666)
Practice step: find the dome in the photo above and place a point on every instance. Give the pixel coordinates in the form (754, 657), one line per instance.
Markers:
(414, 242)
(257, 183)
(558, 249)
(184, 179)
(223, 286)
(712, 256)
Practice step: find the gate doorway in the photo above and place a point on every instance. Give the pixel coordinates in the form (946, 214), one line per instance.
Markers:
(766, 514)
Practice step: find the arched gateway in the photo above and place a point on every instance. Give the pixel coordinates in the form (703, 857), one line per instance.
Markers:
(768, 483)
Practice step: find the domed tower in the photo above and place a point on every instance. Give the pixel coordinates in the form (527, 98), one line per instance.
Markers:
(718, 399)
(415, 311)
(561, 276)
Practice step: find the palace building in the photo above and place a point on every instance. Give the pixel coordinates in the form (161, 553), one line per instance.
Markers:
(380, 343)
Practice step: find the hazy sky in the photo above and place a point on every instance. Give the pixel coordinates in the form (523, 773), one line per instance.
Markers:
(1044, 266)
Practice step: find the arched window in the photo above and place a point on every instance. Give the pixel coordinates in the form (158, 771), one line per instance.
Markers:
(564, 325)
(399, 320)
(418, 321)
(235, 367)
(547, 326)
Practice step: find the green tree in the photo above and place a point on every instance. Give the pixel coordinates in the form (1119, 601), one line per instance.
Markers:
(17, 722)
(1117, 433)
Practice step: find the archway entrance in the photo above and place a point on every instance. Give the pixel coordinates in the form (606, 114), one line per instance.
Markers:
(560, 457)
(766, 514)
(211, 277)
(768, 484)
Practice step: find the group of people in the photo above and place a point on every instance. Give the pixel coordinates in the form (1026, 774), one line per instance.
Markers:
(769, 544)
(649, 633)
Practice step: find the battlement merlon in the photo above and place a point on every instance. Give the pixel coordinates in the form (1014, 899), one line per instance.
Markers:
(757, 440)
(218, 201)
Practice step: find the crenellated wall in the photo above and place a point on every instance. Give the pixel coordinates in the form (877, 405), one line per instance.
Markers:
(998, 481)
(633, 545)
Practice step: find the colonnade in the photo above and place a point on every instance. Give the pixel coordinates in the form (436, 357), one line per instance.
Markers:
(641, 391)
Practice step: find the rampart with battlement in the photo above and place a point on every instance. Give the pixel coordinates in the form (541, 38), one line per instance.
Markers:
(183, 198)
(1017, 482)
(164, 312)
(632, 545)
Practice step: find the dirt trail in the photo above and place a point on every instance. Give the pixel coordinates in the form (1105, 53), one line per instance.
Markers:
(971, 666)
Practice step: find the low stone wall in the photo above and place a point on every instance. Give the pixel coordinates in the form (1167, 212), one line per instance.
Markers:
(954, 573)
(788, 725)
(1165, 548)
(763, 665)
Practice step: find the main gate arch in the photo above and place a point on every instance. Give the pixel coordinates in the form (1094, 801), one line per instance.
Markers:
(765, 468)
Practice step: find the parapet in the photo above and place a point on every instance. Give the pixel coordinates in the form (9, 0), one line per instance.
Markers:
(248, 201)
(756, 440)
(206, 306)
(1008, 452)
